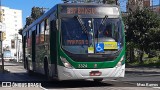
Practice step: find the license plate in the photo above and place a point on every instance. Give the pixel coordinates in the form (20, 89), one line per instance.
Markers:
(95, 73)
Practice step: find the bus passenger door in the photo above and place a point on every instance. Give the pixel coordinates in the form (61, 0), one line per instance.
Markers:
(33, 50)
(53, 47)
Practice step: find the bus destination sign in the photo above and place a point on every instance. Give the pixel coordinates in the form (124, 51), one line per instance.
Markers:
(81, 10)
(92, 10)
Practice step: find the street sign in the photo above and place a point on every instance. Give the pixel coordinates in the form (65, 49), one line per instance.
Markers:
(100, 47)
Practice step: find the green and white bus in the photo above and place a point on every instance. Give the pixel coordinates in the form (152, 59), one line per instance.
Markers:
(76, 41)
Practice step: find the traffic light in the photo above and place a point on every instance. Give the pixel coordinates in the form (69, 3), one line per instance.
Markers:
(1, 16)
(3, 36)
(13, 44)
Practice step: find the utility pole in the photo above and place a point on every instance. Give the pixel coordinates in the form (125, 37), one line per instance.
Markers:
(152, 5)
(17, 47)
(1, 47)
(0, 12)
(1, 51)
(159, 7)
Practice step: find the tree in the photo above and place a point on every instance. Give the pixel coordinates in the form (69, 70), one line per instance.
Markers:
(140, 25)
(109, 1)
(36, 12)
(20, 31)
(129, 43)
(29, 20)
(65, 1)
(89, 1)
(154, 39)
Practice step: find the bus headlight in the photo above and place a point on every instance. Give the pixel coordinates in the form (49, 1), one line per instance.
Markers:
(120, 62)
(65, 62)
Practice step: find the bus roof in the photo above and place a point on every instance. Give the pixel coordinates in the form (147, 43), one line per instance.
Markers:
(45, 15)
(94, 4)
(48, 13)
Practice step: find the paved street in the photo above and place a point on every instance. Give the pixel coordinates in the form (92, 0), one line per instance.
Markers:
(142, 74)
(133, 76)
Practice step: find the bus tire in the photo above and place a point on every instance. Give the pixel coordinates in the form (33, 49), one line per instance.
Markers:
(30, 73)
(98, 80)
(46, 70)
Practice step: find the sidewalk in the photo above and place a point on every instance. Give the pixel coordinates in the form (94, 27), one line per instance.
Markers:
(13, 64)
(143, 70)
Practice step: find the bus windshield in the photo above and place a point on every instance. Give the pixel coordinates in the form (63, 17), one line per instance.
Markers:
(77, 40)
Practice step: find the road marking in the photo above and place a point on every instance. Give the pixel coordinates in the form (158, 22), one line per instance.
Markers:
(156, 87)
(150, 75)
(43, 88)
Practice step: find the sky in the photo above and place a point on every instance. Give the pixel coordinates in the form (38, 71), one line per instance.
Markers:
(26, 5)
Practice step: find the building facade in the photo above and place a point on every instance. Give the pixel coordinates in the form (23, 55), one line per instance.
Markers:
(132, 5)
(146, 3)
(156, 9)
(12, 19)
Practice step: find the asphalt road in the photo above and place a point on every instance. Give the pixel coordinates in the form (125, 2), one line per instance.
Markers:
(133, 78)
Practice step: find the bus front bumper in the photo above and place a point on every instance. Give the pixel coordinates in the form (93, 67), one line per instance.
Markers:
(71, 74)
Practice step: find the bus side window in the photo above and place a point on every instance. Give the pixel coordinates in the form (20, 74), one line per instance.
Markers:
(42, 33)
(37, 34)
(29, 38)
(36, 29)
(26, 40)
(47, 27)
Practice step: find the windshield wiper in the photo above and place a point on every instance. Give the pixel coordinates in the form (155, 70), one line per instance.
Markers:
(82, 24)
(104, 20)
(102, 23)
(88, 33)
